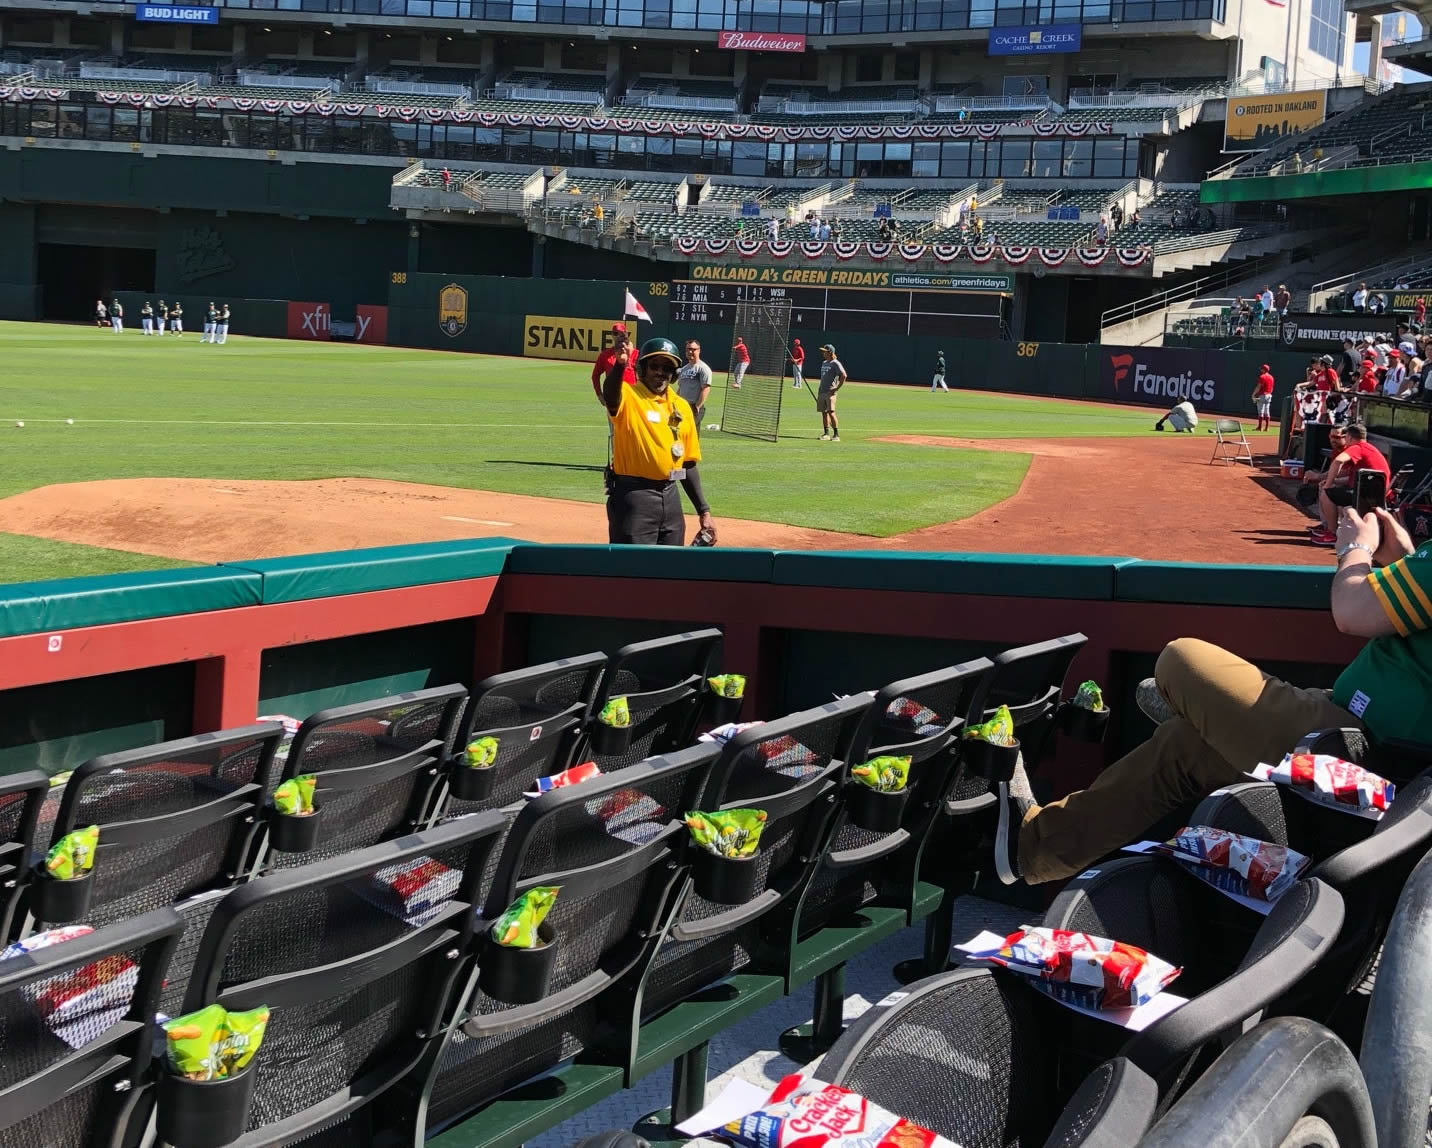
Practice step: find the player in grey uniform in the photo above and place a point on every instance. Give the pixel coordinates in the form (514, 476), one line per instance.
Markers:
(101, 314)
(146, 317)
(832, 378)
(939, 379)
(116, 316)
(693, 381)
(176, 319)
(221, 332)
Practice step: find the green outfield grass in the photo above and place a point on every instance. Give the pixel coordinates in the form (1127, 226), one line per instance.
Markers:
(278, 409)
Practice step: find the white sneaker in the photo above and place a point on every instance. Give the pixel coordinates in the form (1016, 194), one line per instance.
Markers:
(835, 438)
(825, 438)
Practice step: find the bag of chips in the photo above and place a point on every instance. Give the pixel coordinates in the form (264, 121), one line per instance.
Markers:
(998, 730)
(727, 832)
(1089, 696)
(294, 798)
(73, 854)
(574, 776)
(887, 774)
(1082, 969)
(728, 685)
(1331, 781)
(214, 1043)
(615, 714)
(45, 940)
(412, 890)
(517, 927)
(803, 1112)
(1235, 863)
(481, 754)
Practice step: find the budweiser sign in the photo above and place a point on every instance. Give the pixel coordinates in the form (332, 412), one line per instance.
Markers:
(762, 41)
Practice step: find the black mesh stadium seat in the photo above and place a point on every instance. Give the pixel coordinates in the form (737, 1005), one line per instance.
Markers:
(964, 1054)
(358, 989)
(75, 1084)
(1367, 862)
(21, 797)
(662, 682)
(1289, 1083)
(1029, 680)
(377, 765)
(536, 716)
(1228, 975)
(613, 846)
(920, 718)
(792, 768)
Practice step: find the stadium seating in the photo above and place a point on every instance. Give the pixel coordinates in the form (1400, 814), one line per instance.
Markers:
(1390, 128)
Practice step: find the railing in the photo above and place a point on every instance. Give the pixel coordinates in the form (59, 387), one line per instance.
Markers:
(408, 174)
(507, 91)
(1205, 239)
(1146, 306)
(1294, 164)
(678, 101)
(952, 103)
(254, 79)
(416, 88)
(19, 79)
(148, 75)
(847, 107)
(1385, 272)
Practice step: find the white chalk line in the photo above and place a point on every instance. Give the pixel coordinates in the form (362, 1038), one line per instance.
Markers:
(475, 521)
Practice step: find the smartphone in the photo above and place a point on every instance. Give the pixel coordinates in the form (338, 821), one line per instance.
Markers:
(1371, 490)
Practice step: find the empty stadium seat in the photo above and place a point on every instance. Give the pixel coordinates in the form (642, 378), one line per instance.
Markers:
(22, 796)
(74, 1083)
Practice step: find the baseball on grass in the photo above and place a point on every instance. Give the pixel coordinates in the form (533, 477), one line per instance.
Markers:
(19, 423)
(69, 422)
(713, 426)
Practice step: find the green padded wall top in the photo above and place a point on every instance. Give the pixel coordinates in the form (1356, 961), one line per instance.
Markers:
(304, 576)
(1006, 575)
(68, 603)
(1216, 584)
(716, 564)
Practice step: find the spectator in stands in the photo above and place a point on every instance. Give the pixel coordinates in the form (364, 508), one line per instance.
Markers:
(825, 232)
(1351, 364)
(1281, 299)
(1327, 377)
(1101, 231)
(884, 230)
(1359, 298)
(834, 230)
(1337, 488)
(653, 443)
(1182, 416)
(1136, 218)
(1265, 300)
(607, 357)
(1419, 311)
(1263, 398)
(1395, 376)
(774, 229)
(1219, 716)
(1116, 217)
(447, 180)
(1367, 381)
(599, 215)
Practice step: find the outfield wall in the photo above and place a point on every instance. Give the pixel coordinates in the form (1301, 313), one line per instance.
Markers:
(92, 665)
(563, 318)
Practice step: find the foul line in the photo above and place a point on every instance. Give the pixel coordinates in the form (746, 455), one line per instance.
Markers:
(275, 423)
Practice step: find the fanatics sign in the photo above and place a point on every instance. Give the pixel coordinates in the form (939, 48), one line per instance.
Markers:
(170, 14)
(762, 41)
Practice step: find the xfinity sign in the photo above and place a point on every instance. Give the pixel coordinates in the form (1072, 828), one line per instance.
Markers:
(1035, 39)
(169, 14)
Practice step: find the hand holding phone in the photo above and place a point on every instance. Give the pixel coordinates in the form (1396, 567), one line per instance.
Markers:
(1371, 490)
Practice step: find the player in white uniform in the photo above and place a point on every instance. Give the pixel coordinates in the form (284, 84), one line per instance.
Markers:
(161, 317)
(211, 321)
(938, 381)
(146, 317)
(222, 330)
(101, 314)
(116, 316)
(176, 319)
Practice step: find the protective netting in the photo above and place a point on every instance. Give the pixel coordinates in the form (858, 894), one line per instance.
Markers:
(755, 389)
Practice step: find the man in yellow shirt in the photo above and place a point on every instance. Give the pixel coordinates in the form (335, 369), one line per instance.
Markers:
(654, 446)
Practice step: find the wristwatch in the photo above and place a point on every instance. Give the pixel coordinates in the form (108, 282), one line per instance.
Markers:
(1344, 551)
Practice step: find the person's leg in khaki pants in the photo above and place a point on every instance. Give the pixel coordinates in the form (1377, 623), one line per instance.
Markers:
(1230, 716)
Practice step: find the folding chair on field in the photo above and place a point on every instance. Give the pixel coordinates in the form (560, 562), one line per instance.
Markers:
(1230, 444)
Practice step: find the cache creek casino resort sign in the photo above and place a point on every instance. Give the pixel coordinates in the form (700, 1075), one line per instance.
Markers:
(1036, 39)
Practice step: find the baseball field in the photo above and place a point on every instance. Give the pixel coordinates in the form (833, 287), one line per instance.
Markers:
(140, 452)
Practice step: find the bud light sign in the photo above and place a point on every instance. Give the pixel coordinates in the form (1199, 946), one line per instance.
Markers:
(1034, 40)
(172, 14)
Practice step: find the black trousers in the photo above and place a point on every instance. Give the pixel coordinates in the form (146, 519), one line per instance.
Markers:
(641, 512)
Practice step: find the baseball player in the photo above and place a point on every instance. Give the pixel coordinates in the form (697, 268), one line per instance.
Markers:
(797, 364)
(938, 382)
(146, 317)
(161, 318)
(740, 360)
(211, 323)
(116, 316)
(101, 314)
(176, 319)
(222, 330)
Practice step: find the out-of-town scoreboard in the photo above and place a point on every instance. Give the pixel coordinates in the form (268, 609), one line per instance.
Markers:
(833, 300)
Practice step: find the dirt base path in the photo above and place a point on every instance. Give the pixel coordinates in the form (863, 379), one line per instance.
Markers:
(1145, 498)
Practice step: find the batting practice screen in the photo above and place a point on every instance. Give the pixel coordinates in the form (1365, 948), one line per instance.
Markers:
(754, 390)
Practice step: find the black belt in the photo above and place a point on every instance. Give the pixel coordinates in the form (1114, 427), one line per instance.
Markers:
(635, 483)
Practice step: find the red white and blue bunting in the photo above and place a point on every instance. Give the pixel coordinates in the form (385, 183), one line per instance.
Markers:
(1012, 255)
(621, 125)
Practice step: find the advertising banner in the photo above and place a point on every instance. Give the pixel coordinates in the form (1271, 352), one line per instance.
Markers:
(1256, 122)
(840, 277)
(170, 14)
(1306, 331)
(370, 324)
(1403, 300)
(558, 337)
(1035, 39)
(762, 41)
(1161, 377)
(309, 321)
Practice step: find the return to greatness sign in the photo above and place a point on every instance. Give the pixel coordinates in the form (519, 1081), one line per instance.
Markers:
(842, 277)
(559, 337)
(1257, 122)
(1307, 331)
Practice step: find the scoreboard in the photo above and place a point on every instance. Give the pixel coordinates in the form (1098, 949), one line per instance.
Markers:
(877, 311)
